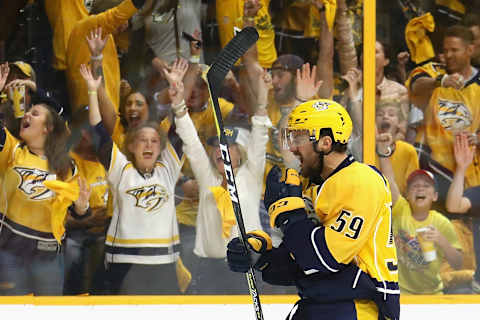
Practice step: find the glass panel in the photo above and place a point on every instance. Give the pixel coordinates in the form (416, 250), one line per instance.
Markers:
(127, 227)
(426, 74)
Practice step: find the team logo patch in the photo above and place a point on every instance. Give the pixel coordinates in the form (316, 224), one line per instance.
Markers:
(31, 183)
(321, 105)
(454, 115)
(150, 197)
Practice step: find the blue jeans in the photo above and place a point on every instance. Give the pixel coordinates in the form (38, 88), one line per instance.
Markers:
(83, 254)
(30, 265)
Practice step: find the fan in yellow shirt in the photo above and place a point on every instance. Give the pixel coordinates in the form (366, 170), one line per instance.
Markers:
(447, 96)
(86, 237)
(423, 237)
(230, 15)
(77, 52)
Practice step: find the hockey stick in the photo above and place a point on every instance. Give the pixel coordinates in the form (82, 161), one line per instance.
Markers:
(242, 41)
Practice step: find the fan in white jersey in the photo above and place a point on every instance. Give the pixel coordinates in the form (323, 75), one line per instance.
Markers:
(142, 244)
(216, 223)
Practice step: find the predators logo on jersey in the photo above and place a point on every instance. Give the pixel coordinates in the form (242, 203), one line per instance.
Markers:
(150, 197)
(453, 115)
(31, 183)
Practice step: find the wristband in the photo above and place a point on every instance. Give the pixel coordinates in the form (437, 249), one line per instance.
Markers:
(386, 155)
(91, 92)
(99, 57)
(194, 59)
(249, 19)
(179, 108)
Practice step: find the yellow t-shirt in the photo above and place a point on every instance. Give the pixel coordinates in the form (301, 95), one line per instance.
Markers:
(230, 15)
(78, 53)
(449, 111)
(62, 16)
(94, 173)
(417, 276)
(404, 161)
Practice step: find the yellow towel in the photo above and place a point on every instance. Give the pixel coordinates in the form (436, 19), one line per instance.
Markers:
(419, 44)
(224, 205)
(184, 277)
(65, 194)
(330, 10)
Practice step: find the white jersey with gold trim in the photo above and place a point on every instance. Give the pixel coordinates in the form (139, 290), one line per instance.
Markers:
(144, 227)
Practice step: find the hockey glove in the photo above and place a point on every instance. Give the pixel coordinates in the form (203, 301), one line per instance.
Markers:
(239, 259)
(283, 198)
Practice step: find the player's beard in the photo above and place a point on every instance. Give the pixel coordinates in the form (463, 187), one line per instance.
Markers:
(314, 173)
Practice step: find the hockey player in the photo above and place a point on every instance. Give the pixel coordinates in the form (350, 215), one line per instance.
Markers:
(342, 260)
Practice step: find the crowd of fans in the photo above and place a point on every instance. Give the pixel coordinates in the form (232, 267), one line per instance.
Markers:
(111, 177)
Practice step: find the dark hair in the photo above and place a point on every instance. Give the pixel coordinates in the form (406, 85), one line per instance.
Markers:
(103, 5)
(461, 32)
(56, 152)
(78, 123)
(471, 20)
(123, 102)
(385, 48)
(132, 134)
(9, 120)
(336, 146)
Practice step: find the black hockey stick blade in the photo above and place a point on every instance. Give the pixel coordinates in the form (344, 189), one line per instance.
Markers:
(215, 77)
(225, 60)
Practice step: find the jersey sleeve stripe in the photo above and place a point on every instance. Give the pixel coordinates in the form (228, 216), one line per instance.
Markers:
(174, 154)
(319, 244)
(176, 144)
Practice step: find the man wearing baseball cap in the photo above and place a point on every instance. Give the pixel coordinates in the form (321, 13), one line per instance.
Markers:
(423, 237)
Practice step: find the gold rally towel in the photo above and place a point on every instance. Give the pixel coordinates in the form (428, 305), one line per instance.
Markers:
(65, 194)
(224, 205)
(330, 10)
(418, 42)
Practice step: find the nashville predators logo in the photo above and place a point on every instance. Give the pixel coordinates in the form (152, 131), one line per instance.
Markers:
(149, 198)
(31, 183)
(321, 105)
(454, 115)
(228, 132)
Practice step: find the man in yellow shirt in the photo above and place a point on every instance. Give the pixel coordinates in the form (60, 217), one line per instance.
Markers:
(77, 52)
(447, 96)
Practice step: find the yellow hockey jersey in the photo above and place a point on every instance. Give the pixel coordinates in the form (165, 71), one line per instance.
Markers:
(354, 205)
(449, 111)
(25, 202)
